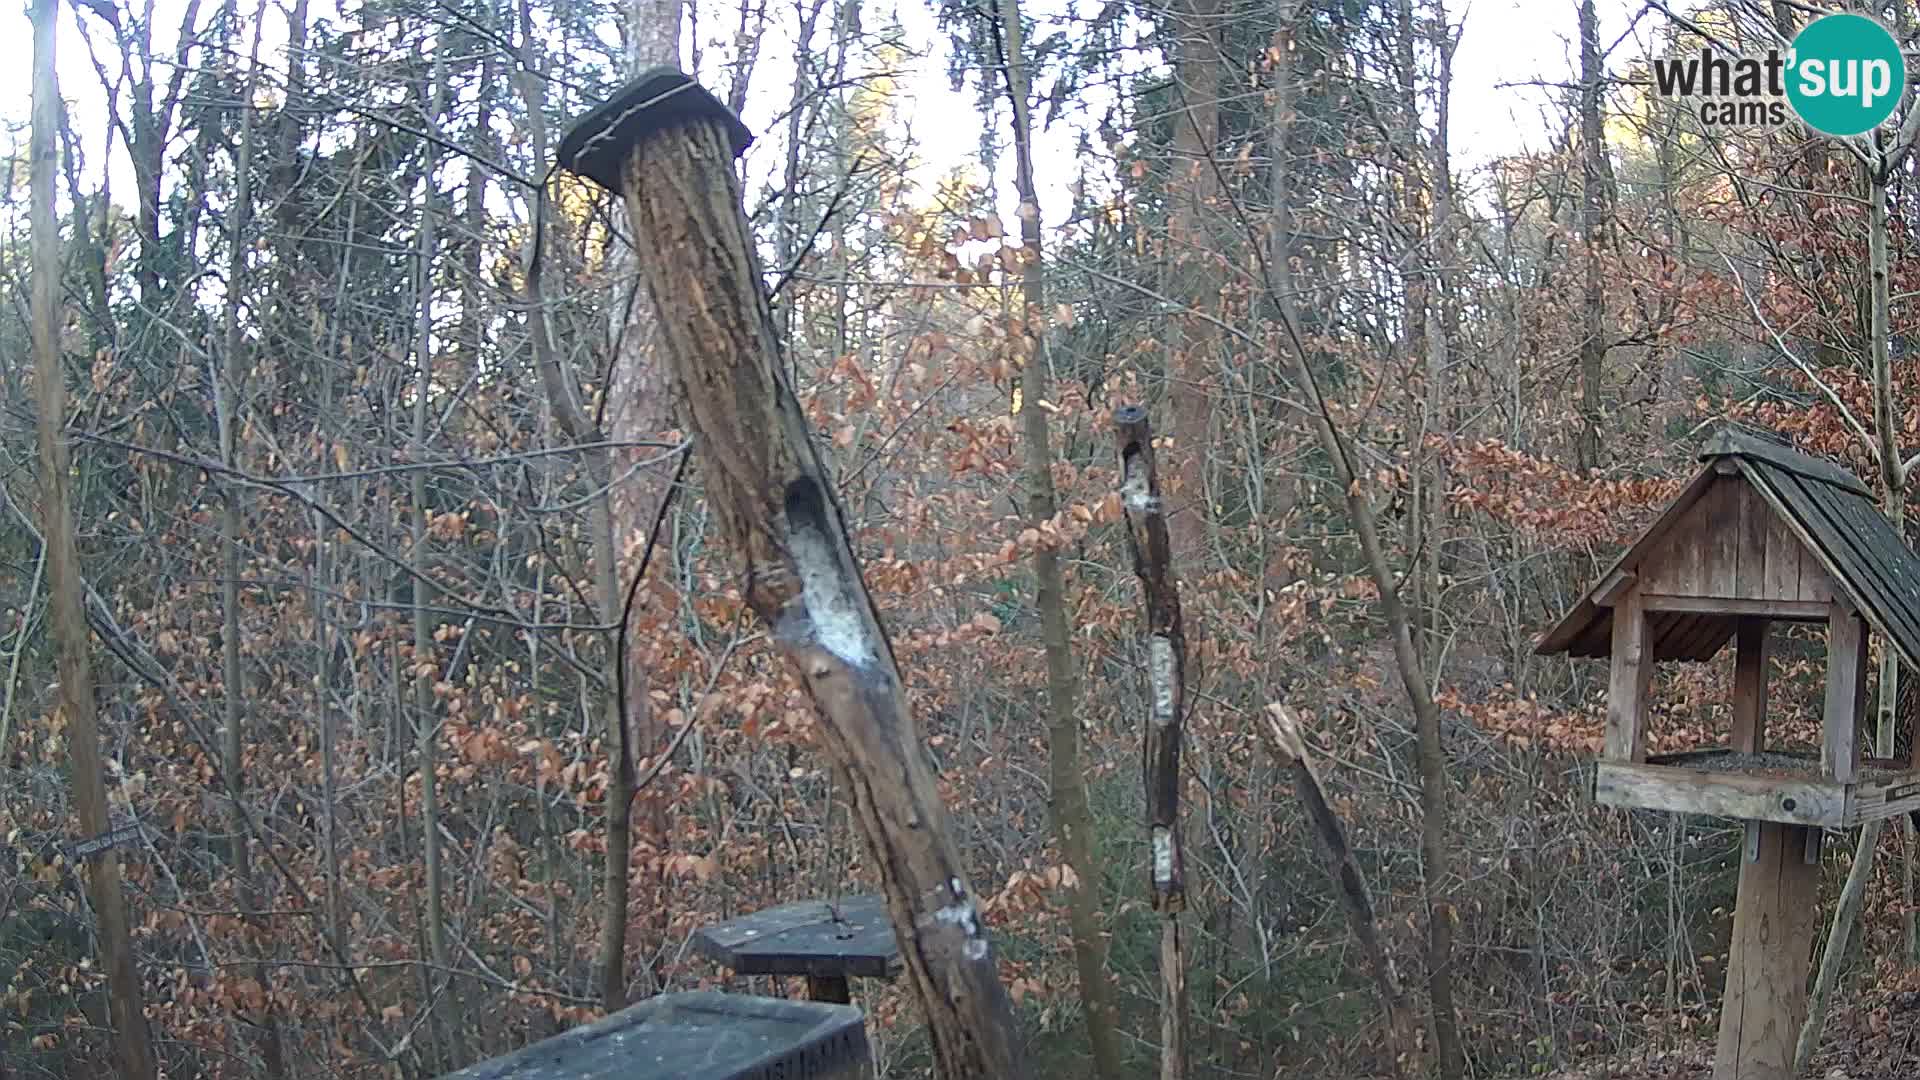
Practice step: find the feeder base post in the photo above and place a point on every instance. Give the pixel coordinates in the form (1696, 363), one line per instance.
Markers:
(1767, 961)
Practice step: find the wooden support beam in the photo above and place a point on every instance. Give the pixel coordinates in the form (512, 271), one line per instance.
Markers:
(1752, 655)
(1846, 653)
(1773, 923)
(1608, 592)
(1627, 689)
(1792, 610)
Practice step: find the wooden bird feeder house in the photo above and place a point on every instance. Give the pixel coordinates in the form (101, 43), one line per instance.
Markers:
(1763, 534)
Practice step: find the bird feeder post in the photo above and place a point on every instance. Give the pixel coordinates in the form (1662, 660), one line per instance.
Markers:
(667, 147)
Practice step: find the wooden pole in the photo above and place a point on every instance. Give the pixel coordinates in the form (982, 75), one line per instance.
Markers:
(1773, 924)
(1166, 679)
(667, 146)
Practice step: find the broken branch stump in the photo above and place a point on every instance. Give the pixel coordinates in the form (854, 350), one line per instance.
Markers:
(667, 147)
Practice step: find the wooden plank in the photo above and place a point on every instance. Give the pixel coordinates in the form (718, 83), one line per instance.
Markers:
(1879, 799)
(1783, 557)
(1752, 657)
(1794, 610)
(1575, 624)
(1766, 994)
(1720, 542)
(1846, 645)
(1607, 593)
(1755, 517)
(1627, 687)
(1816, 585)
(1812, 801)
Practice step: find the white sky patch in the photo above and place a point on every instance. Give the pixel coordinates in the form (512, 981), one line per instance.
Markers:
(1511, 55)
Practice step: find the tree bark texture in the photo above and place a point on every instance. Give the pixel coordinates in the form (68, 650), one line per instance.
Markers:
(1593, 208)
(133, 1045)
(1148, 539)
(774, 503)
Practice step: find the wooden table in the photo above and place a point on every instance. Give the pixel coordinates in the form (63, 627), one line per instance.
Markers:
(704, 1035)
(826, 942)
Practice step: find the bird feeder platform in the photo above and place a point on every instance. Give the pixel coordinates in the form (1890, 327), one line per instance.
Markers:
(1763, 534)
(698, 1036)
(826, 942)
(1789, 788)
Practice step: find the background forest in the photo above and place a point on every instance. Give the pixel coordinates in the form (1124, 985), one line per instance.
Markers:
(362, 507)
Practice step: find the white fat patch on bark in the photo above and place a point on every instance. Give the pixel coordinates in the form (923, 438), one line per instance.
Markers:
(1162, 855)
(832, 608)
(1133, 490)
(1161, 672)
(962, 916)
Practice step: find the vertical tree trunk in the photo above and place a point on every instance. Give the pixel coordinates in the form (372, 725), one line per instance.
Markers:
(229, 397)
(1072, 819)
(1150, 544)
(1593, 204)
(1197, 63)
(448, 1012)
(640, 411)
(133, 1044)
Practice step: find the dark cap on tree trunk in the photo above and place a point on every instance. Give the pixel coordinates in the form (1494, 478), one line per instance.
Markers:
(597, 144)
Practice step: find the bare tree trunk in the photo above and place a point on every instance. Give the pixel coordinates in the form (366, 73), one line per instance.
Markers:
(774, 503)
(1197, 64)
(447, 1010)
(640, 410)
(1593, 203)
(132, 1042)
(228, 398)
(1151, 545)
(1072, 818)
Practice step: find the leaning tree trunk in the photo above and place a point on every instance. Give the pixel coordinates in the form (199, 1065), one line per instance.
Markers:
(133, 1045)
(1067, 781)
(668, 146)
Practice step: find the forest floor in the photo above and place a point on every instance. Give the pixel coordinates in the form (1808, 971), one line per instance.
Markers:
(1876, 1036)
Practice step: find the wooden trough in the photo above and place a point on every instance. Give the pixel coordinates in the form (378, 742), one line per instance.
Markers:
(1763, 534)
(703, 1035)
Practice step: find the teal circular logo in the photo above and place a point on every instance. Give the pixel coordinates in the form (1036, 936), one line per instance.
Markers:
(1845, 74)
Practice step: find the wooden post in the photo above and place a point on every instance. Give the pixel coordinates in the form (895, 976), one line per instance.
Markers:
(1773, 924)
(1627, 688)
(667, 146)
(1167, 686)
(831, 988)
(1846, 653)
(1751, 657)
